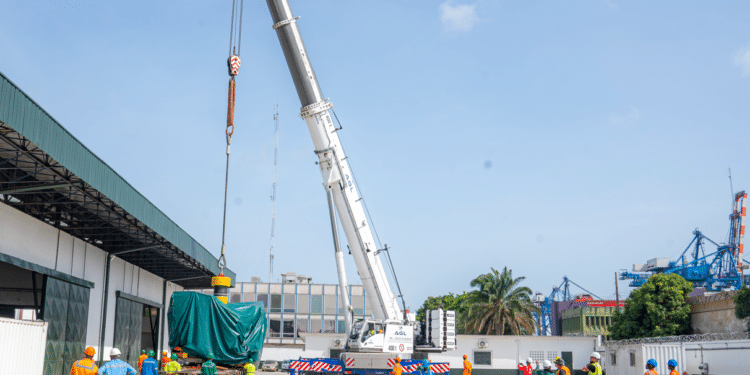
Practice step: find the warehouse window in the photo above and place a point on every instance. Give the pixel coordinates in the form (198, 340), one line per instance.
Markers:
(303, 304)
(358, 303)
(275, 302)
(330, 304)
(263, 298)
(301, 325)
(316, 326)
(613, 359)
(289, 303)
(316, 307)
(632, 359)
(483, 358)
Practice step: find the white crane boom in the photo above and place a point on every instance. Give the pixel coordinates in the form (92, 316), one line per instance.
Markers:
(334, 166)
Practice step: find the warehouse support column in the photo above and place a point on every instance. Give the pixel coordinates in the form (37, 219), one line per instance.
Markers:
(103, 331)
(163, 314)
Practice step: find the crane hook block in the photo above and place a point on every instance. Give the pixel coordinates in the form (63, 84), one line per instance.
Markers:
(234, 65)
(221, 286)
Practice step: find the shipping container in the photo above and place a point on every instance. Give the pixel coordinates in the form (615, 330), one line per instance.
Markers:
(726, 357)
(22, 346)
(629, 359)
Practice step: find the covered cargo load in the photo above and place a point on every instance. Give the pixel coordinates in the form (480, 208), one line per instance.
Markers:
(201, 324)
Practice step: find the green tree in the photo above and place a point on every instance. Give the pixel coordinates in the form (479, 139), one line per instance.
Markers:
(448, 302)
(500, 306)
(658, 308)
(742, 305)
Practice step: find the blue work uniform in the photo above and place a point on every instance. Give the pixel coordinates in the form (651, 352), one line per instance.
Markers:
(117, 367)
(150, 367)
(427, 370)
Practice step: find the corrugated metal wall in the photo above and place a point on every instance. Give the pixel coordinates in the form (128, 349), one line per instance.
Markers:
(22, 347)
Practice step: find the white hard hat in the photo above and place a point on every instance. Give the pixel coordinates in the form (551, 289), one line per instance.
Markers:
(547, 364)
(529, 360)
(114, 352)
(596, 355)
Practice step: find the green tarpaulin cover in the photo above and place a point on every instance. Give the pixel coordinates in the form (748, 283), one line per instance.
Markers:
(201, 324)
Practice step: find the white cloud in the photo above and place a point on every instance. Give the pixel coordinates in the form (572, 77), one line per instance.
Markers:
(458, 18)
(742, 59)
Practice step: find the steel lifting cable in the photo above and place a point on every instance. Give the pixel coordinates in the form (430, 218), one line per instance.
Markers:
(233, 63)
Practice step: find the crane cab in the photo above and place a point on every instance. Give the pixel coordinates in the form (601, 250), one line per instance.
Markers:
(368, 335)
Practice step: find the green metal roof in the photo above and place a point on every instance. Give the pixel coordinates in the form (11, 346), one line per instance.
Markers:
(48, 173)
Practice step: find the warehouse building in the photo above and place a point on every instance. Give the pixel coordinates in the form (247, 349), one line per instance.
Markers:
(80, 248)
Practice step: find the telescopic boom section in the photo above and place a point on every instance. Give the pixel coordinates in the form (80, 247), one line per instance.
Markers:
(333, 164)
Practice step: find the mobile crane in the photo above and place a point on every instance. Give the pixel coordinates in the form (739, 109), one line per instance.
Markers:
(392, 330)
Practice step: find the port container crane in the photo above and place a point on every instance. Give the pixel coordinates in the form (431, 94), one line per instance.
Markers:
(561, 292)
(720, 270)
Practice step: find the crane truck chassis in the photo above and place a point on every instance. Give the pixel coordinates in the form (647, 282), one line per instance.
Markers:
(360, 365)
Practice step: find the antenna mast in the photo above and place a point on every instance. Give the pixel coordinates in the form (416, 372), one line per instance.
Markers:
(273, 191)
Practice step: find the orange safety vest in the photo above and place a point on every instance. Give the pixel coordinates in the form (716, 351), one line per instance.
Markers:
(140, 361)
(651, 372)
(397, 369)
(164, 361)
(84, 367)
(674, 372)
(564, 371)
(467, 367)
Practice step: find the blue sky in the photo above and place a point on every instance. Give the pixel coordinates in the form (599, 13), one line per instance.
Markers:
(552, 137)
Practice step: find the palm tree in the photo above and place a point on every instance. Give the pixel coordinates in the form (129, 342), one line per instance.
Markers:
(500, 306)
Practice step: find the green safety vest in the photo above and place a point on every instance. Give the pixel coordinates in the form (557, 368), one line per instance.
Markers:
(250, 368)
(172, 367)
(598, 369)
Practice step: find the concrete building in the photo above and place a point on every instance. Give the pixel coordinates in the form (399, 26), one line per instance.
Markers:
(80, 248)
(587, 321)
(302, 306)
(582, 315)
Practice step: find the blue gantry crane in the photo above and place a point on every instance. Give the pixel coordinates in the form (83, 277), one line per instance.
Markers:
(720, 270)
(563, 293)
